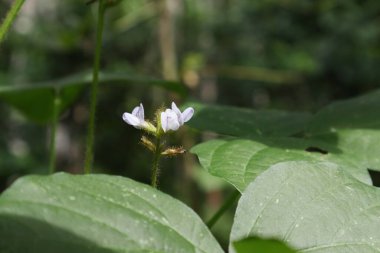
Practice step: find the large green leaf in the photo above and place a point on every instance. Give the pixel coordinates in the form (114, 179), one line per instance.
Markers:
(242, 122)
(353, 126)
(239, 161)
(97, 213)
(361, 145)
(36, 101)
(259, 245)
(314, 207)
(359, 112)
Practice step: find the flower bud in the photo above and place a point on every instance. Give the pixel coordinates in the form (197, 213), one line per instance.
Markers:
(173, 151)
(147, 143)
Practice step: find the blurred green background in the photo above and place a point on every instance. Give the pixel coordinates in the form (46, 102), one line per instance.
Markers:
(284, 54)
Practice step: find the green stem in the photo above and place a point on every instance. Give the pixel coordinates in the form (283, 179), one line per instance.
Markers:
(53, 133)
(94, 89)
(226, 205)
(9, 18)
(156, 162)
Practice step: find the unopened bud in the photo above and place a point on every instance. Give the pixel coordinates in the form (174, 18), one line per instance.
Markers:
(147, 143)
(174, 151)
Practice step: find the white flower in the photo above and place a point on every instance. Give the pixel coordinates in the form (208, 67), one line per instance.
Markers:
(136, 118)
(169, 120)
(172, 119)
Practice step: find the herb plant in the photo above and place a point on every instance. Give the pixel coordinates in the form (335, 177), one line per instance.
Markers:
(302, 179)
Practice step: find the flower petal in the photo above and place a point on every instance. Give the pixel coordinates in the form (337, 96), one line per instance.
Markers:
(135, 110)
(164, 121)
(178, 113)
(131, 119)
(140, 113)
(175, 108)
(172, 120)
(187, 114)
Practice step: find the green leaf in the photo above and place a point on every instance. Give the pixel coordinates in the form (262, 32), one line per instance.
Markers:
(360, 112)
(360, 145)
(97, 213)
(353, 126)
(36, 101)
(259, 245)
(240, 161)
(314, 207)
(242, 122)
(205, 151)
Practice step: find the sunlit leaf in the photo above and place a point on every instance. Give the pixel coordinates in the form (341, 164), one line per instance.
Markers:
(313, 207)
(97, 213)
(240, 161)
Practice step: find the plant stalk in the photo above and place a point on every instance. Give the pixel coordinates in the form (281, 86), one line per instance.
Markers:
(94, 89)
(166, 39)
(53, 133)
(156, 163)
(225, 206)
(10, 17)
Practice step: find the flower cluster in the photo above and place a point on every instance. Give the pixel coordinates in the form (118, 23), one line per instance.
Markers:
(170, 119)
(166, 120)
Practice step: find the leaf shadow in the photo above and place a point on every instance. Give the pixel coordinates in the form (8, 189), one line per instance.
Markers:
(247, 123)
(27, 235)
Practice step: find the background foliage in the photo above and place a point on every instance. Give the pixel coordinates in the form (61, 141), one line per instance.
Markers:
(272, 55)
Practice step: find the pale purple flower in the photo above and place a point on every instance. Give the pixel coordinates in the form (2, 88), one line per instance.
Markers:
(172, 119)
(169, 120)
(136, 118)
(183, 117)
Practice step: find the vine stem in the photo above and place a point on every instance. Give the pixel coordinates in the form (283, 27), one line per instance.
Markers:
(94, 89)
(225, 206)
(156, 162)
(9, 18)
(53, 133)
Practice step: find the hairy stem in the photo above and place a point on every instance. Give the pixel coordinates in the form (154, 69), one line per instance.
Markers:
(225, 206)
(10, 17)
(53, 133)
(156, 163)
(94, 89)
